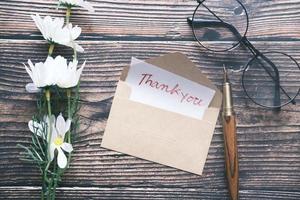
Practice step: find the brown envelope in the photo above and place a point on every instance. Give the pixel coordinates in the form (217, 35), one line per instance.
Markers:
(158, 135)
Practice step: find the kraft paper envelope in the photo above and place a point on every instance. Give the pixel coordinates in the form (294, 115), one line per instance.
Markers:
(158, 135)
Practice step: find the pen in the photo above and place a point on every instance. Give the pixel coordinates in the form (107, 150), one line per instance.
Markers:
(230, 140)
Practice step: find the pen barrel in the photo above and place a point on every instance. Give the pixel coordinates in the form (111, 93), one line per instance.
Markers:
(231, 155)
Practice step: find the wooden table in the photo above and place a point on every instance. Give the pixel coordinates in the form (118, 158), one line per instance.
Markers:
(269, 143)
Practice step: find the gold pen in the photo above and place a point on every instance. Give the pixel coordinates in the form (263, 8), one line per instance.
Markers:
(230, 140)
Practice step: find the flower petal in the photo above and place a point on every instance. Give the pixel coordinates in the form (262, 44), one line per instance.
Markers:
(35, 128)
(61, 159)
(52, 119)
(68, 125)
(54, 133)
(60, 125)
(31, 126)
(52, 149)
(75, 46)
(31, 88)
(39, 23)
(78, 48)
(49, 120)
(30, 73)
(75, 32)
(67, 147)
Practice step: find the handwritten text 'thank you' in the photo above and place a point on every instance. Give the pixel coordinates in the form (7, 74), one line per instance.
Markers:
(175, 90)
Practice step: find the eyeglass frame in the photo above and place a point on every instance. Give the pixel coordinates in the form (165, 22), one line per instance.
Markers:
(256, 53)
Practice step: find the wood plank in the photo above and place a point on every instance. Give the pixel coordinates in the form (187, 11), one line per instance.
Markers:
(148, 20)
(268, 142)
(143, 193)
(106, 60)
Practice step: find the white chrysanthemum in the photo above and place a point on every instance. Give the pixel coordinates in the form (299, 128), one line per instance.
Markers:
(74, 3)
(54, 72)
(59, 129)
(68, 75)
(54, 31)
(42, 74)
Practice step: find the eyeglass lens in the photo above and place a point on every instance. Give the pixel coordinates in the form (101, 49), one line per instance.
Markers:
(211, 20)
(260, 84)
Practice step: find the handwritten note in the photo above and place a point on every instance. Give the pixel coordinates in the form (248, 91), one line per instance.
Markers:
(159, 88)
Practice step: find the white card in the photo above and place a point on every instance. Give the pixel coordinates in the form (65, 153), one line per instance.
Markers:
(159, 88)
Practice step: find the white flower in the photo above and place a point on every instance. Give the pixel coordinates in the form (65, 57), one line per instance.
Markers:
(68, 75)
(54, 72)
(41, 128)
(59, 130)
(42, 74)
(38, 128)
(74, 33)
(54, 31)
(81, 3)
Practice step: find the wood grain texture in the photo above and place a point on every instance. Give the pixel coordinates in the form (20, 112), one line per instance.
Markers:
(147, 20)
(84, 193)
(231, 155)
(268, 142)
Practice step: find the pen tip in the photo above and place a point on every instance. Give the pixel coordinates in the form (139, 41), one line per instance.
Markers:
(225, 74)
(224, 68)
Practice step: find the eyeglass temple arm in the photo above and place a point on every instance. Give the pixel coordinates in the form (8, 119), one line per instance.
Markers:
(276, 80)
(212, 23)
(254, 51)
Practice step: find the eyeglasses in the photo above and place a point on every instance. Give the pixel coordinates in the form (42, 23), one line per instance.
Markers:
(269, 79)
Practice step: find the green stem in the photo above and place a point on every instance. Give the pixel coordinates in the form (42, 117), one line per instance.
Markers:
(68, 14)
(49, 135)
(75, 54)
(50, 189)
(48, 99)
(46, 180)
(51, 48)
(69, 103)
(55, 177)
(69, 117)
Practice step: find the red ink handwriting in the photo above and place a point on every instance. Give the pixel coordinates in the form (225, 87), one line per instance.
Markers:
(147, 79)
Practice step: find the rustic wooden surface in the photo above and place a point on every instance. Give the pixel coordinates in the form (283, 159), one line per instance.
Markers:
(269, 143)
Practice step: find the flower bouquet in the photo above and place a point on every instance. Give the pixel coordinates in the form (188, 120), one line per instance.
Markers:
(57, 84)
